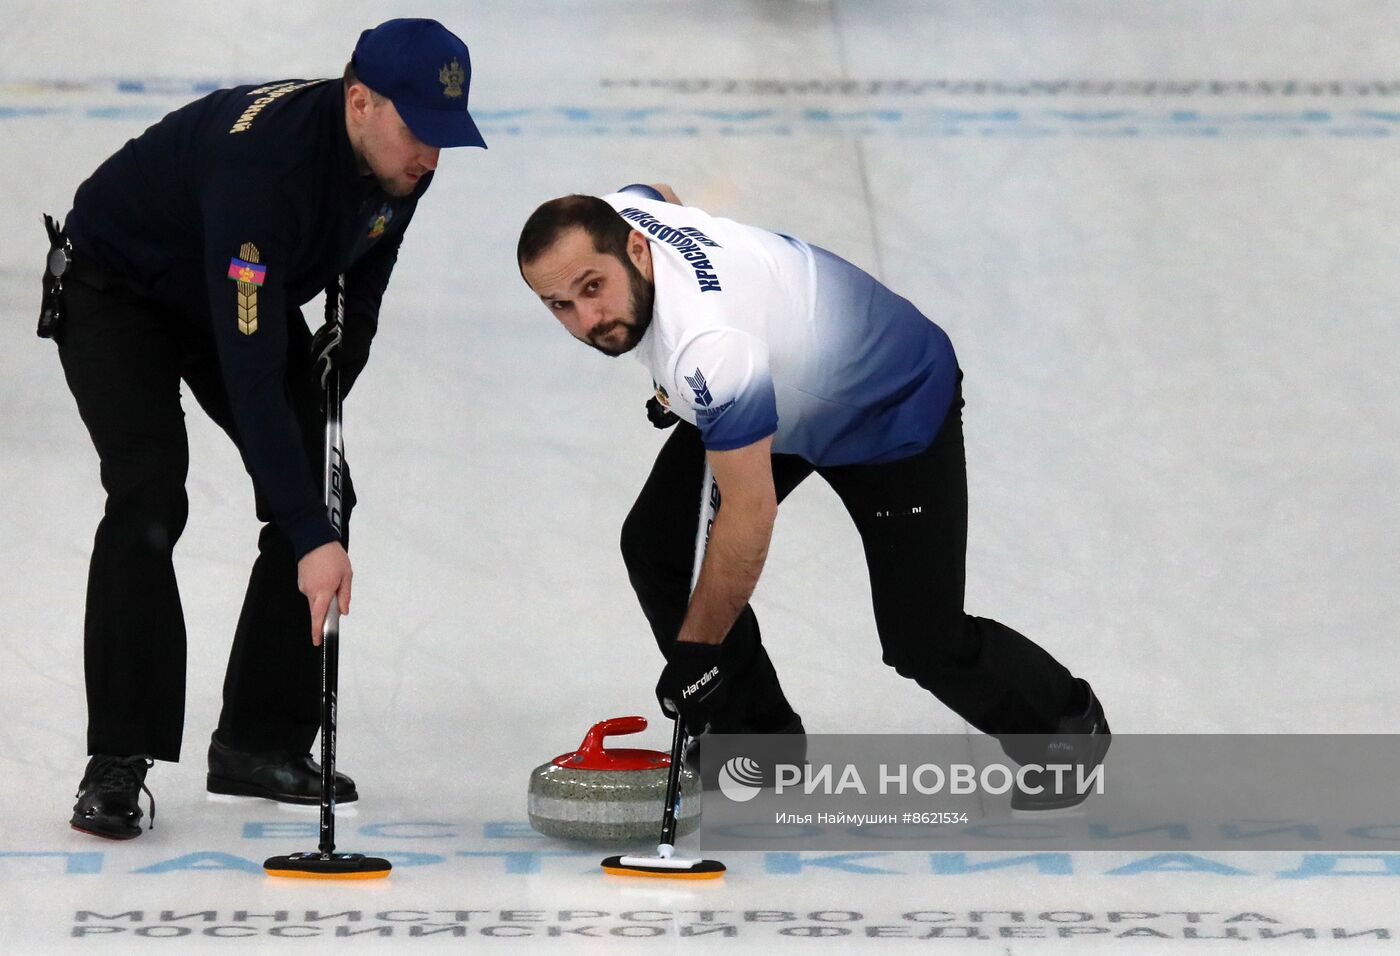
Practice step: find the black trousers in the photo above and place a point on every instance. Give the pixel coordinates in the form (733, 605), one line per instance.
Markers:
(912, 519)
(124, 357)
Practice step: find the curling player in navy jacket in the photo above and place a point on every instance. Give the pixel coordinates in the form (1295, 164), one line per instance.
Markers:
(190, 253)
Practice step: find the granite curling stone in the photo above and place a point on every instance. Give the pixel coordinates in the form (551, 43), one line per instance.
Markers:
(609, 795)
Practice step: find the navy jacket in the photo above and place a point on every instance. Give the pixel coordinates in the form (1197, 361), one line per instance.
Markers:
(234, 211)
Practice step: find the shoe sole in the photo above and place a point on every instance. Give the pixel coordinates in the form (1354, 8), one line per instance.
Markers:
(306, 811)
(103, 834)
(236, 788)
(1062, 803)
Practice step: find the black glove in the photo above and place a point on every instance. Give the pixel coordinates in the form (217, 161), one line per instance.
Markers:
(695, 681)
(330, 348)
(659, 415)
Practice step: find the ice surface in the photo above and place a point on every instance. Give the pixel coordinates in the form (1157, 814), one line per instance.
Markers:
(1176, 315)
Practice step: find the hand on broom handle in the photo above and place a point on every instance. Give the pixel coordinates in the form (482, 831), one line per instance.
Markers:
(325, 576)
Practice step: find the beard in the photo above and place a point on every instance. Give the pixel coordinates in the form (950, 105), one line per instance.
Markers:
(398, 188)
(397, 185)
(620, 336)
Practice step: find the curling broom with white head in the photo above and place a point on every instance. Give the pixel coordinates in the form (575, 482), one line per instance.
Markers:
(666, 863)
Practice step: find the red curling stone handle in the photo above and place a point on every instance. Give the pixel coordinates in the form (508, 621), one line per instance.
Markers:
(612, 727)
(592, 755)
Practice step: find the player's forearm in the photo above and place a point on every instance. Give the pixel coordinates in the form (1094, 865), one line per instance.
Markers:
(733, 562)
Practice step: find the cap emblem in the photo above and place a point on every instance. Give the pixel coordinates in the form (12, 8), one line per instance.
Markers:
(452, 77)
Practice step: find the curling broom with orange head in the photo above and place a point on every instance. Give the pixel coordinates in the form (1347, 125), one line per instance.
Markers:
(325, 863)
(665, 864)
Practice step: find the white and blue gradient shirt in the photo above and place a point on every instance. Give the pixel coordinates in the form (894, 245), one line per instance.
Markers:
(756, 334)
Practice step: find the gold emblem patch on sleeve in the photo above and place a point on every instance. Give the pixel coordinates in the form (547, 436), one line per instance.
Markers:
(248, 293)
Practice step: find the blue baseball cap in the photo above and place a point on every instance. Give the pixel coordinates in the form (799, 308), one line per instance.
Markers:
(424, 69)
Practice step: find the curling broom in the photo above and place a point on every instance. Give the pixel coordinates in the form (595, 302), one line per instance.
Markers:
(665, 864)
(325, 863)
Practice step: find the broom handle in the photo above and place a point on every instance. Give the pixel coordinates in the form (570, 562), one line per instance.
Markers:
(709, 504)
(673, 794)
(330, 637)
(330, 633)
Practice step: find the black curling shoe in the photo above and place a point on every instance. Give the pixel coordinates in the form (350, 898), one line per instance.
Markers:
(1080, 742)
(785, 744)
(279, 775)
(109, 797)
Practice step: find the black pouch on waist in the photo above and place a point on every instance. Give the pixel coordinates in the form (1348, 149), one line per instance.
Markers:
(55, 268)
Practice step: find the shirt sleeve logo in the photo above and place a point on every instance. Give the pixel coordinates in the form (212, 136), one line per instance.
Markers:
(247, 274)
(697, 383)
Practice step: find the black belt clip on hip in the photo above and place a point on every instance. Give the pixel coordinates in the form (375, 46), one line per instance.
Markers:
(57, 265)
